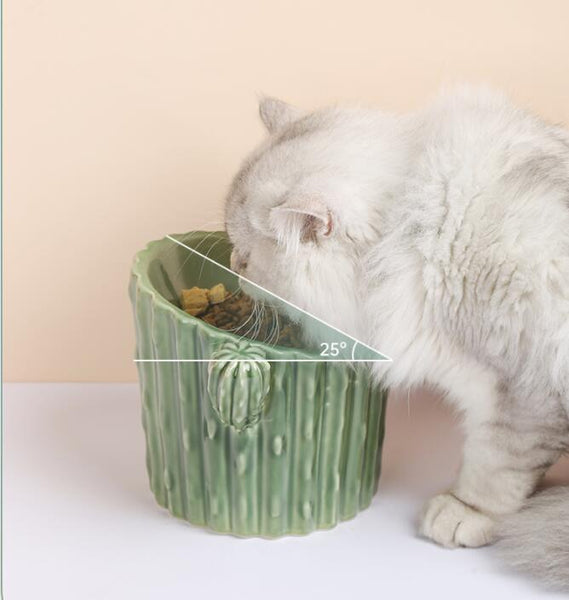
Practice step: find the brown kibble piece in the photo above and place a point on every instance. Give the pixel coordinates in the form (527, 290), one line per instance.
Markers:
(217, 293)
(234, 312)
(195, 301)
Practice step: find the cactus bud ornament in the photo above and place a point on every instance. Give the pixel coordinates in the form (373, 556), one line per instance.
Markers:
(238, 384)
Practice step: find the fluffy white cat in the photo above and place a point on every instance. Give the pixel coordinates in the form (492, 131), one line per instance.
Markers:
(453, 223)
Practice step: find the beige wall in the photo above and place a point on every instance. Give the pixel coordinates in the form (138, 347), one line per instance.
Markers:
(125, 119)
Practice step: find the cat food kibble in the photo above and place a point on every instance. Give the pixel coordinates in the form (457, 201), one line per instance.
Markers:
(217, 293)
(195, 301)
(234, 312)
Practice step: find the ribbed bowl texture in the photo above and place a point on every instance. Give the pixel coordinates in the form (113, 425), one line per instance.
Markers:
(254, 448)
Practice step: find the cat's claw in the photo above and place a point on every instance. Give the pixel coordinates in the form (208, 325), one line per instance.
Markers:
(451, 523)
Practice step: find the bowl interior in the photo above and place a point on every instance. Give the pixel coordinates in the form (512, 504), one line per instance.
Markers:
(202, 258)
(174, 268)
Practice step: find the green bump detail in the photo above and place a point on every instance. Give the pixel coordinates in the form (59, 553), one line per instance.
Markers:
(238, 390)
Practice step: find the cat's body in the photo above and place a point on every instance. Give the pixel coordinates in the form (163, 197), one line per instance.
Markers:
(453, 224)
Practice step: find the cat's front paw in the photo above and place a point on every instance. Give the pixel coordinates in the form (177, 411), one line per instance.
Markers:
(451, 523)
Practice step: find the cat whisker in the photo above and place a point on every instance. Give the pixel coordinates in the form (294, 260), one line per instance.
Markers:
(201, 227)
(251, 316)
(190, 253)
(259, 323)
(254, 315)
(275, 329)
(210, 250)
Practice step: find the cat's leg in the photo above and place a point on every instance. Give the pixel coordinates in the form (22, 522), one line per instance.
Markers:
(501, 466)
(504, 457)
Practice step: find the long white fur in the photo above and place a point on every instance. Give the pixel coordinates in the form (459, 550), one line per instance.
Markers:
(449, 251)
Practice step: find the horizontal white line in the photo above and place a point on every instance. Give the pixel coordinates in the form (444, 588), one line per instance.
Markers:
(247, 360)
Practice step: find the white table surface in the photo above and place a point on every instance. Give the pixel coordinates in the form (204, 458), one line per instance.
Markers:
(79, 521)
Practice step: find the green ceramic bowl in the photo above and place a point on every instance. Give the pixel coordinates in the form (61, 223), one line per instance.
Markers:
(252, 449)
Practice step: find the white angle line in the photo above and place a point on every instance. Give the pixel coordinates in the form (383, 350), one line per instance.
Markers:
(385, 359)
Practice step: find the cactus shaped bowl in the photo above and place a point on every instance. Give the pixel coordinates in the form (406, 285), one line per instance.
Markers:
(260, 446)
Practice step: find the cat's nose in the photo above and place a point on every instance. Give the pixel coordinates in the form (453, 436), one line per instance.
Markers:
(238, 263)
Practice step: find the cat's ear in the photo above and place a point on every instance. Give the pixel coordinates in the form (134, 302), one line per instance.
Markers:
(277, 114)
(301, 220)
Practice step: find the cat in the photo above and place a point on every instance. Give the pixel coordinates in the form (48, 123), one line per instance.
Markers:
(448, 229)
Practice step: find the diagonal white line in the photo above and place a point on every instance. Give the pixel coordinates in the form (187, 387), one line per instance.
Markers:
(385, 359)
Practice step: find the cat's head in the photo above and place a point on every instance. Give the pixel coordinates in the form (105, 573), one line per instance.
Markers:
(306, 203)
